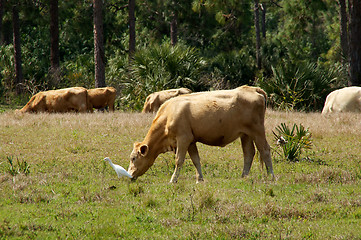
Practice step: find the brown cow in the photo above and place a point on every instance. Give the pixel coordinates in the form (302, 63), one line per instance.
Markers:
(58, 101)
(214, 118)
(347, 99)
(155, 100)
(102, 97)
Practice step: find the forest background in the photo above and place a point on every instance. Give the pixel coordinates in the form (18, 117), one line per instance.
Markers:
(297, 50)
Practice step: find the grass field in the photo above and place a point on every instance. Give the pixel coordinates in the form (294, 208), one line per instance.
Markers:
(69, 192)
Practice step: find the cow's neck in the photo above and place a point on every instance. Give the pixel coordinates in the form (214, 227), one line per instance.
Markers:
(156, 139)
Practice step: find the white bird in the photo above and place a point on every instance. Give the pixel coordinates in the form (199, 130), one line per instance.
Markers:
(118, 169)
(281, 141)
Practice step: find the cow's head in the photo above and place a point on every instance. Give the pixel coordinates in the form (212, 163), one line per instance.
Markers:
(140, 161)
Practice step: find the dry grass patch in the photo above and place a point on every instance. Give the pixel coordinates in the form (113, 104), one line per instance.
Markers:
(327, 175)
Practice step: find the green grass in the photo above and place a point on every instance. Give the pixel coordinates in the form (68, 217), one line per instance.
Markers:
(70, 192)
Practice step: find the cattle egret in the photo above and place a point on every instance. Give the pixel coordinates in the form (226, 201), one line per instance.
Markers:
(281, 141)
(118, 169)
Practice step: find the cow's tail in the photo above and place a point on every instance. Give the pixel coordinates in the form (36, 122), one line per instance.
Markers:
(261, 91)
(258, 155)
(261, 162)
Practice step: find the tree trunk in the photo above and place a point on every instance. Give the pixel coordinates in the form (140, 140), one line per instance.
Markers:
(99, 56)
(343, 30)
(174, 29)
(131, 16)
(264, 10)
(355, 40)
(17, 50)
(258, 38)
(54, 48)
(1, 21)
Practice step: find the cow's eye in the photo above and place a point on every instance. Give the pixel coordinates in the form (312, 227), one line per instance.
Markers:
(133, 159)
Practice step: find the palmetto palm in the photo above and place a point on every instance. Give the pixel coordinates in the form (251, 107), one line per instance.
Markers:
(301, 86)
(161, 67)
(293, 140)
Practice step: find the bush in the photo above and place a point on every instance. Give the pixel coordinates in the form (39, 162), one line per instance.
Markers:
(7, 72)
(78, 72)
(157, 68)
(236, 68)
(292, 141)
(300, 87)
(117, 69)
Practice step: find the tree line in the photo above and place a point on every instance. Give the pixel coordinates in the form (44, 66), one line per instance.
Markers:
(144, 46)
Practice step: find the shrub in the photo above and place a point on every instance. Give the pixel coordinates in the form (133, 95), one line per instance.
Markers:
(236, 68)
(117, 69)
(157, 68)
(300, 87)
(78, 72)
(7, 72)
(292, 141)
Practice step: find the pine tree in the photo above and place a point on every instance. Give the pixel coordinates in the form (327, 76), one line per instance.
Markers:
(54, 45)
(131, 12)
(99, 55)
(17, 49)
(355, 40)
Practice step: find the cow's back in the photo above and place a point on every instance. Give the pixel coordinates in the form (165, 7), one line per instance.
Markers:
(67, 100)
(215, 118)
(102, 97)
(171, 93)
(155, 100)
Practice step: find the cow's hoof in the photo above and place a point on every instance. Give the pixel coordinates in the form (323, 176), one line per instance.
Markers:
(200, 181)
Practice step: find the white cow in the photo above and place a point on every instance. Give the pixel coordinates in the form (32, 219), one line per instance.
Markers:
(347, 99)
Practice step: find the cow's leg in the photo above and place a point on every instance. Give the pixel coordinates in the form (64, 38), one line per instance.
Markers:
(248, 153)
(264, 150)
(111, 107)
(83, 108)
(193, 153)
(182, 147)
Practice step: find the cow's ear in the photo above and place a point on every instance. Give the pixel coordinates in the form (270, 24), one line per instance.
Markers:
(144, 150)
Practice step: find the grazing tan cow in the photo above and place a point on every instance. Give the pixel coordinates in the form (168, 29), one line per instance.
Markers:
(58, 101)
(214, 118)
(155, 100)
(102, 97)
(346, 99)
